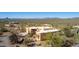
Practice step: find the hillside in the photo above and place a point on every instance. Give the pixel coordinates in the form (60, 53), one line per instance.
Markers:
(71, 21)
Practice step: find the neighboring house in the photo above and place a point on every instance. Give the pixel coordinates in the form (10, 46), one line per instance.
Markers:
(7, 25)
(76, 26)
(39, 30)
(13, 26)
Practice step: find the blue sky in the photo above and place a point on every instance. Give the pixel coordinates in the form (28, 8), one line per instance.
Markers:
(39, 14)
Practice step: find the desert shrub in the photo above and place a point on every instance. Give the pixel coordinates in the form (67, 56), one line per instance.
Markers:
(23, 27)
(3, 30)
(13, 38)
(46, 36)
(68, 32)
(54, 40)
(1, 33)
(28, 42)
(76, 37)
(68, 43)
(30, 34)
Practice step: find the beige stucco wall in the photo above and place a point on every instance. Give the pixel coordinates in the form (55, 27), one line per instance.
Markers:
(38, 35)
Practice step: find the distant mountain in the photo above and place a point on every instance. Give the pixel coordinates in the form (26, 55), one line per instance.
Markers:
(11, 19)
(43, 20)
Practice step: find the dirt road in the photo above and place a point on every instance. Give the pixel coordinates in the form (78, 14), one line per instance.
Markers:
(4, 40)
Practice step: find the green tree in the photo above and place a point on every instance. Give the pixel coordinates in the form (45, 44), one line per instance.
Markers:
(54, 40)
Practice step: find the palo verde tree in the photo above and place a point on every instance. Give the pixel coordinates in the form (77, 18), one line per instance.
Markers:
(54, 40)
